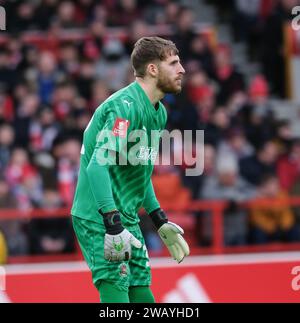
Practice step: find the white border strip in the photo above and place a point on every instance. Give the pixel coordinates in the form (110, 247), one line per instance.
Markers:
(192, 261)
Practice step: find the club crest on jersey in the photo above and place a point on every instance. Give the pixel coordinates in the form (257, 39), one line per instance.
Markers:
(120, 127)
(123, 270)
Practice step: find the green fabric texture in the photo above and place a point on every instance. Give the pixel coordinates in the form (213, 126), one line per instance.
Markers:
(102, 193)
(110, 294)
(141, 294)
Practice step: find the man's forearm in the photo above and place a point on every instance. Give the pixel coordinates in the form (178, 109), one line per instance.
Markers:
(100, 184)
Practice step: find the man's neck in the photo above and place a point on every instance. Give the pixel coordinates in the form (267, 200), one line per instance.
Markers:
(153, 93)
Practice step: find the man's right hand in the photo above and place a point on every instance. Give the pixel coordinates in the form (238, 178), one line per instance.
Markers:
(117, 239)
(118, 247)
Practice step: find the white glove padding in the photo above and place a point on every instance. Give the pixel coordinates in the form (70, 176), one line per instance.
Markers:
(118, 247)
(171, 235)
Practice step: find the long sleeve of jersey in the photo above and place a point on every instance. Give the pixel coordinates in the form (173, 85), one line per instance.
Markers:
(150, 202)
(100, 184)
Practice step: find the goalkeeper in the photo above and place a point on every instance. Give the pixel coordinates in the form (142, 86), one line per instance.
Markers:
(111, 188)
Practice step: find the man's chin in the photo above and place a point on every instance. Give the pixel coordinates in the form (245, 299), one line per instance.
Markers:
(175, 90)
(172, 89)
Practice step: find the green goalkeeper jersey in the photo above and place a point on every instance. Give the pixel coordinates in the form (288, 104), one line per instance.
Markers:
(123, 133)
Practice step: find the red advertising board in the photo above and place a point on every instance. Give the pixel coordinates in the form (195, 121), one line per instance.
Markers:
(255, 278)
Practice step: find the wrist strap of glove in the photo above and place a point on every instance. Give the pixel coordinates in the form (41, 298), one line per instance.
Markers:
(158, 217)
(112, 222)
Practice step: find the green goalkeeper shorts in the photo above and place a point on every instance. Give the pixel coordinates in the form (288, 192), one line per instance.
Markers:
(135, 272)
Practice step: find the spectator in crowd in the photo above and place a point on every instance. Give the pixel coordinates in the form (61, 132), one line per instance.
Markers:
(216, 128)
(24, 17)
(136, 30)
(288, 167)
(276, 222)
(63, 101)
(272, 50)
(228, 186)
(201, 52)
(6, 106)
(8, 75)
(184, 32)
(202, 94)
(161, 12)
(23, 179)
(206, 158)
(67, 169)
(170, 13)
(124, 13)
(14, 231)
(197, 184)
(85, 79)
(45, 13)
(84, 11)
(228, 78)
(99, 93)
(26, 111)
(44, 130)
(284, 135)
(7, 136)
(247, 16)
(253, 168)
(113, 65)
(66, 17)
(68, 59)
(52, 235)
(235, 144)
(47, 76)
(248, 23)
(256, 116)
(91, 46)
(28, 56)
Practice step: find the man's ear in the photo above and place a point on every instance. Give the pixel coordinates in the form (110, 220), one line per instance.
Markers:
(152, 69)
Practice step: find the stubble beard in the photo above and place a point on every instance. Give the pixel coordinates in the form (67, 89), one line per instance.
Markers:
(167, 85)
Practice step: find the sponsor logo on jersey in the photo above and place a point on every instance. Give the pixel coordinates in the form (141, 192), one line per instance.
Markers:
(147, 153)
(120, 127)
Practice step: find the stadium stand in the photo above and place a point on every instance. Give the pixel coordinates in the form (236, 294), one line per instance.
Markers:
(59, 60)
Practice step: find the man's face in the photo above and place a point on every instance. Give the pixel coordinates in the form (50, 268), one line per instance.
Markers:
(170, 73)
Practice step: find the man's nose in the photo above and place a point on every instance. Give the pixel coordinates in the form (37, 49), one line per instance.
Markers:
(182, 70)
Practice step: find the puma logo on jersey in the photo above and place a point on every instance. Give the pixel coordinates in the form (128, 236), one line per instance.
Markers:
(128, 103)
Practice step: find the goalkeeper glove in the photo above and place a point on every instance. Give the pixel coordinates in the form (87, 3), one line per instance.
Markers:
(171, 235)
(117, 239)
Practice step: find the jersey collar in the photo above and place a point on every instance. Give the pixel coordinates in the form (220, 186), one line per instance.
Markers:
(145, 98)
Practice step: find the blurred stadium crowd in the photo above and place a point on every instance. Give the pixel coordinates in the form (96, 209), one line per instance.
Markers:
(59, 60)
